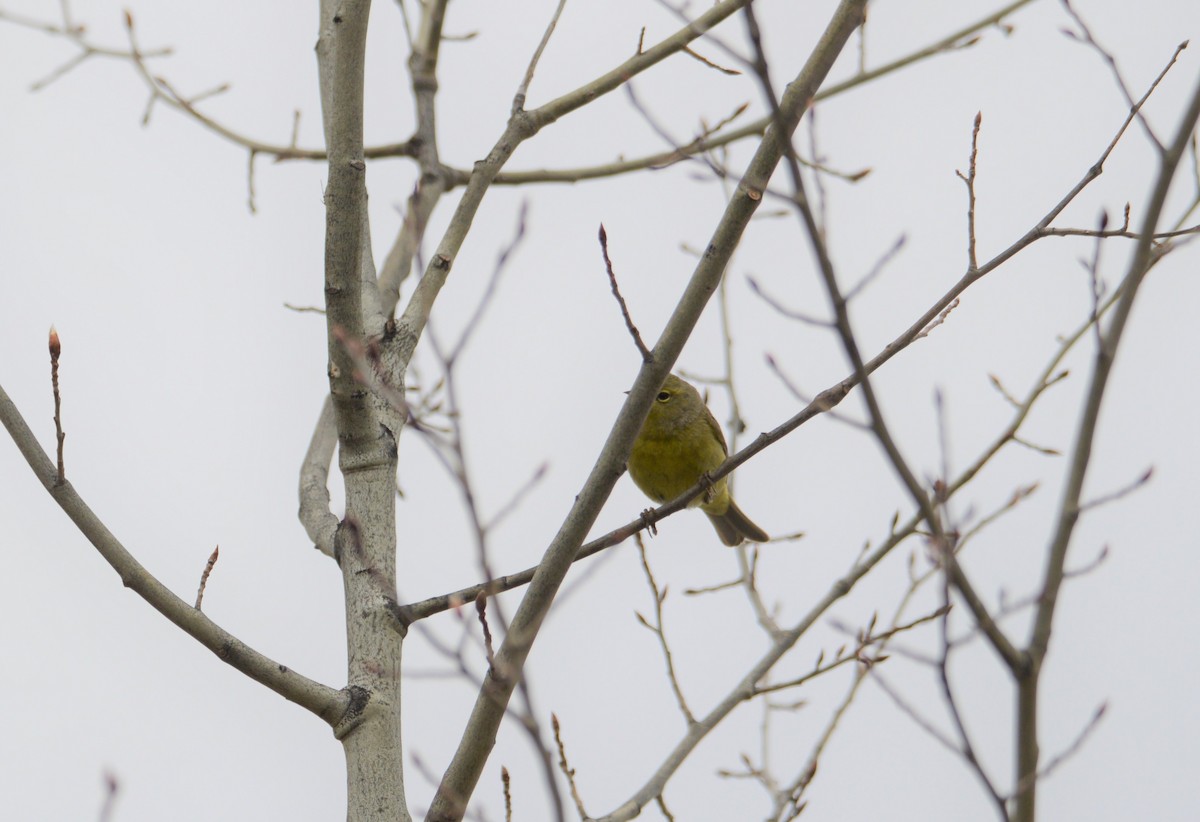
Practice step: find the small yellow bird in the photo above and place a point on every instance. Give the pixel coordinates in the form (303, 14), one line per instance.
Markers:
(680, 441)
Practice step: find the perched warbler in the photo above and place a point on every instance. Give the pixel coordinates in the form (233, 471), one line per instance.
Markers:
(679, 442)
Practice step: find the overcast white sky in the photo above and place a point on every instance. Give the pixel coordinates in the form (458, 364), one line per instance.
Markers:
(190, 392)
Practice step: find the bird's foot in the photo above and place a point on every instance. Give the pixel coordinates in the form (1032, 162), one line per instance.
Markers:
(648, 521)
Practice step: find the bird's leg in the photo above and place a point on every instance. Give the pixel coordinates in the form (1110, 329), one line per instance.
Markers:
(648, 521)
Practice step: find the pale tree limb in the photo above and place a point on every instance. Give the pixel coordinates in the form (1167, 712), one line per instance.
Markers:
(327, 703)
(367, 427)
(823, 402)
(845, 333)
(162, 92)
(521, 126)
(790, 797)
(748, 688)
(431, 184)
(926, 505)
(747, 557)
(454, 457)
(838, 302)
(319, 522)
(1050, 376)
(415, 147)
(1145, 255)
(463, 772)
(962, 38)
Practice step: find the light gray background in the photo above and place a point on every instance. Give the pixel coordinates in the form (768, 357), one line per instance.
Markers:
(190, 392)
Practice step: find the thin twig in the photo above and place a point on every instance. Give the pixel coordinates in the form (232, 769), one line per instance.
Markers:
(701, 58)
(837, 301)
(1085, 36)
(1018, 495)
(506, 784)
(304, 309)
(1113, 496)
(566, 769)
(783, 310)
(1074, 748)
(208, 567)
(328, 703)
(1144, 257)
(481, 612)
(1124, 233)
(966, 745)
(830, 398)
(659, 596)
(877, 268)
(912, 713)
(517, 498)
(425, 47)
(252, 155)
(647, 357)
(795, 391)
(969, 179)
(60, 435)
(485, 300)
(522, 90)
(1092, 267)
(111, 788)
(864, 641)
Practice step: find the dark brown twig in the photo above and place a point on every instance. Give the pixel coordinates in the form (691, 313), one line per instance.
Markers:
(506, 783)
(966, 745)
(1092, 266)
(55, 352)
(481, 610)
(612, 279)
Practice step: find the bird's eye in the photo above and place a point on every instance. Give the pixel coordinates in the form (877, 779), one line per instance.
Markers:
(663, 396)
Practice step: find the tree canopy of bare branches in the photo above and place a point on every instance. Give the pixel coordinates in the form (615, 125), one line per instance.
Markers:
(931, 274)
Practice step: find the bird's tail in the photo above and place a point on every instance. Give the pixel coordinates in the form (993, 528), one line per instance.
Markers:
(733, 527)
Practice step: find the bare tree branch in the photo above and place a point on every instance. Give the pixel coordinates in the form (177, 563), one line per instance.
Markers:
(319, 522)
(1069, 509)
(328, 703)
(463, 772)
(367, 425)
